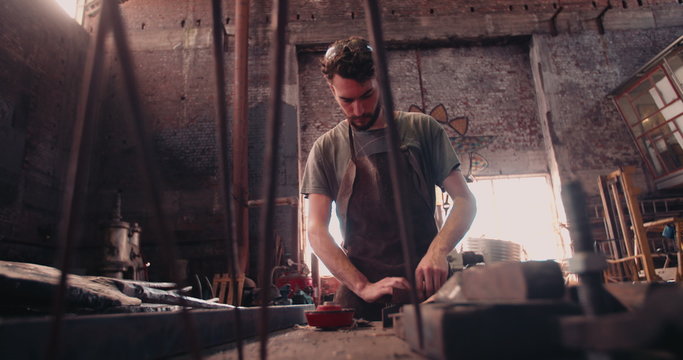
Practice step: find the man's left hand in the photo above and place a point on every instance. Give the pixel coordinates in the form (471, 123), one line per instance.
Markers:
(431, 274)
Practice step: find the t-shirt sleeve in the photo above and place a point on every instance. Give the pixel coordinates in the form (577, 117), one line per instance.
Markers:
(445, 158)
(315, 178)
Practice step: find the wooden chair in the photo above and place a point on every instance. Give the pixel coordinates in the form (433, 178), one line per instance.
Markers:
(628, 251)
(223, 289)
(677, 222)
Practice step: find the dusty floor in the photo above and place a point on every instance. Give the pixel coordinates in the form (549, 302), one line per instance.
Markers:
(309, 343)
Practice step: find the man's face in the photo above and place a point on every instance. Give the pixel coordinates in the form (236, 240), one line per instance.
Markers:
(358, 101)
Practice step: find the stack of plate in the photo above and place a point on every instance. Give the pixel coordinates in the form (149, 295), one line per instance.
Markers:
(493, 250)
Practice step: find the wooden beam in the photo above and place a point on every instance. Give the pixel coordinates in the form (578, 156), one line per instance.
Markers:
(240, 171)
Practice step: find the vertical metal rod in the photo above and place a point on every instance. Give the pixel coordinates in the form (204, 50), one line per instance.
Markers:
(590, 276)
(294, 216)
(223, 168)
(149, 171)
(590, 289)
(273, 123)
(75, 174)
(315, 276)
(240, 170)
(374, 24)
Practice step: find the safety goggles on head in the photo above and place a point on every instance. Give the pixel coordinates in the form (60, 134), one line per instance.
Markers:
(352, 45)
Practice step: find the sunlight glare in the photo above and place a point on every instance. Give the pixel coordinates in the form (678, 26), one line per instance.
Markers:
(517, 209)
(69, 6)
(520, 210)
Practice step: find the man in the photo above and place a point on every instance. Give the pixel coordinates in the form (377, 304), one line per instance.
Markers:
(349, 165)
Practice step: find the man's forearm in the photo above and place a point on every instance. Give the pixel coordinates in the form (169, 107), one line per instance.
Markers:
(336, 260)
(432, 270)
(456, 225)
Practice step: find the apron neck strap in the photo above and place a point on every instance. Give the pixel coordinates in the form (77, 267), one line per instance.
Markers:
(353, 148)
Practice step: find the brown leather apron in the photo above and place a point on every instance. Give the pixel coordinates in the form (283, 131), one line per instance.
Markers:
(365, 207)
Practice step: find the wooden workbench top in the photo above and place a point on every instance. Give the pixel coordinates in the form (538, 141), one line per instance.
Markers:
(305, 342)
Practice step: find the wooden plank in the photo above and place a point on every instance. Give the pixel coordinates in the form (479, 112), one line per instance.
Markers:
(623, 259)
(660, 222)
(630, 269)
(607, 208)
(610, 226)
(621, 216)
(631, 193)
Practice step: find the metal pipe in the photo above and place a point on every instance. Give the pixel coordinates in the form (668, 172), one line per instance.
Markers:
(75, 174)
(273, 123)
(374, 24)
(223, 168)
(315, 276)
(149, 171)
(240, 171)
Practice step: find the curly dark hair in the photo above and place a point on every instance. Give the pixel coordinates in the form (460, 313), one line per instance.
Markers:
(349, 58)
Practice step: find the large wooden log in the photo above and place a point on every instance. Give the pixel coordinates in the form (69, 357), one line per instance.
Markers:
(33, 284)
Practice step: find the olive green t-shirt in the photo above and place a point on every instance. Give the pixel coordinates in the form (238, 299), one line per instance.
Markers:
(331, 153)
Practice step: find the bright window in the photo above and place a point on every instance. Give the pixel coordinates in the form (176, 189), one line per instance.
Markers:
(519, 209)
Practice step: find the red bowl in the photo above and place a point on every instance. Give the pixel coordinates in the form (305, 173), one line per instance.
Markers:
(329, 316)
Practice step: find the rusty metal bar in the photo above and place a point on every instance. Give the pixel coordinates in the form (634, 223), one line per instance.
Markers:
(224, 187)
(75, 175)
(281, 201)
(273, 124)
(240, 171)
(149, 171)
(374, 24)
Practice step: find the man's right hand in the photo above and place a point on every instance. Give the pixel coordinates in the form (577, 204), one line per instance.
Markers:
(372, 292)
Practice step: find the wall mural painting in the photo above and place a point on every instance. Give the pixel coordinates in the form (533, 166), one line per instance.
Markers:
(465, 146)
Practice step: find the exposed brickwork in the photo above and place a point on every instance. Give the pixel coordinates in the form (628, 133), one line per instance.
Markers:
(42, 52)
(174, 63)
(579, 71)
(459, 63)
(489, 85)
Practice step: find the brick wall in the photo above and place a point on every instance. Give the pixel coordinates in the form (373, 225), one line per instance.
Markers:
(171, 44)
(471, 56)
(584, 128)
(490, 85)
(42, 53)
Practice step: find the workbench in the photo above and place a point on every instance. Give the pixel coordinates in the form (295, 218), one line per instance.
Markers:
(305, 342)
